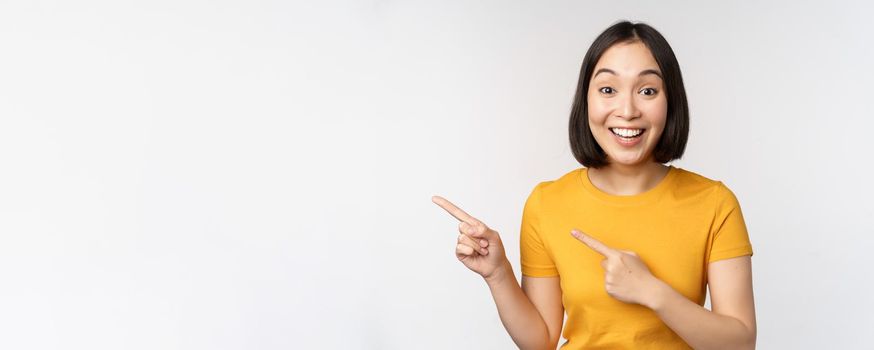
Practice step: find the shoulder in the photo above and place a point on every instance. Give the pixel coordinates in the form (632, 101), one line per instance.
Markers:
(560, 186)
(555, 194)
(692, 184)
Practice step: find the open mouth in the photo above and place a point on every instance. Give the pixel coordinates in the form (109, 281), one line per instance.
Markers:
(627, 134)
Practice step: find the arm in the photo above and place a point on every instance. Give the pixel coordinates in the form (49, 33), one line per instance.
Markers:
(731, 324)
(532, 314)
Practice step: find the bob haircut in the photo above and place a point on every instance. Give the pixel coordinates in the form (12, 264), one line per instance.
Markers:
(672, 142)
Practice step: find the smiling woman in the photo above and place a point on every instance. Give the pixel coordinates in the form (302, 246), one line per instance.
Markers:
(636, 76)
(627, 245)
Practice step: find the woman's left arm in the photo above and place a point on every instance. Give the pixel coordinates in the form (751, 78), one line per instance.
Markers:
(731, 324)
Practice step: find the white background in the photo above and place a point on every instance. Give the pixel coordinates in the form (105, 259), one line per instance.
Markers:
(257, 175)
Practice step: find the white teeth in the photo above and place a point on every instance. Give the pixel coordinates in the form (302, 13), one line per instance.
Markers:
(626, 132)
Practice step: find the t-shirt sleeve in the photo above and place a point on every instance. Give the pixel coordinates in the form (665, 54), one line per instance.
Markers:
(730, 237)
(536, 262)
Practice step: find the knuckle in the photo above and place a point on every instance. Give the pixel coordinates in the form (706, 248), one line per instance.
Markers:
(469, 241)
(467, 245)
(467, 249)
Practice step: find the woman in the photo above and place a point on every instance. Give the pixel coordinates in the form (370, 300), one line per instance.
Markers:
(625, 245)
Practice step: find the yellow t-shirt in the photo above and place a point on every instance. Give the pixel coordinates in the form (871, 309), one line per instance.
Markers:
(676, 228)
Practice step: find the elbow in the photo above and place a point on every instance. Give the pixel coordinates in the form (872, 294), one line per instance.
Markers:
(552, 341)
(551, 345)
(545, 344)
(749, 342)
(749, 345)
(744, 337)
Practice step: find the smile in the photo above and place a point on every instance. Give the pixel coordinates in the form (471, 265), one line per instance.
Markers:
(627, 133)
(627, 137)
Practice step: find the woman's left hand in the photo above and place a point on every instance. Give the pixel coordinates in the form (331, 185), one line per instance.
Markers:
(626, 276)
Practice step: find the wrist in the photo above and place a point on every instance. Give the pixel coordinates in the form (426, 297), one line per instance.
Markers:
(660, 292)
(501, 274)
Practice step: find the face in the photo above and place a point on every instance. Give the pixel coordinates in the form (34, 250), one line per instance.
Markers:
(627, 103)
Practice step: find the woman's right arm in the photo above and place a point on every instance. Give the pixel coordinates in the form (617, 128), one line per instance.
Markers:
(532, 314)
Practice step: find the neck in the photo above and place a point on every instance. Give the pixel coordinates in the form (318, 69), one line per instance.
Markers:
(626, 180)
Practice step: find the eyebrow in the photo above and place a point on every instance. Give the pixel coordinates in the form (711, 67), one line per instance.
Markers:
(642, 73)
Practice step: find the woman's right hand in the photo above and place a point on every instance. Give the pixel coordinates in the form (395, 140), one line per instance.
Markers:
(479, 247)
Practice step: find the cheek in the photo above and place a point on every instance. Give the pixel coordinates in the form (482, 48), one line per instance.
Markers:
(596, 122)
(597, 112)
(657, 113)
(659, 121)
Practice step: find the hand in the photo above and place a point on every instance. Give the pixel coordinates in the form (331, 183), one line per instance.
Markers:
(479, 247)
(626, 276)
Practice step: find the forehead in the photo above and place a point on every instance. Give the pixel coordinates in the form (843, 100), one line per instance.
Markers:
(627, 59)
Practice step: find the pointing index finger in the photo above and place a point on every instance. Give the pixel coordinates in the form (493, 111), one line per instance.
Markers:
(595, 244)
(453, 210)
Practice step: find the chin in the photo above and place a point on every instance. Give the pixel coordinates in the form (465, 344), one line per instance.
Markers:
(627, 161)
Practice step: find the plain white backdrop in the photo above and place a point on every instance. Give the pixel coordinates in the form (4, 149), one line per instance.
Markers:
(257, 174)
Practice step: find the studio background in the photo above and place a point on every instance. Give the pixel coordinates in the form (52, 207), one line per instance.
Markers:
(257, 174)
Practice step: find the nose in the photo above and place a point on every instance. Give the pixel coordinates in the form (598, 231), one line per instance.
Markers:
(628, 108)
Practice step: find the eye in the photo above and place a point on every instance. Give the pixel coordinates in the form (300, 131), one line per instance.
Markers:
(649, 91)
(606, 90)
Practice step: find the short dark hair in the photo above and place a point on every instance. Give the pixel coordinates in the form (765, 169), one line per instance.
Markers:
(672, 142)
